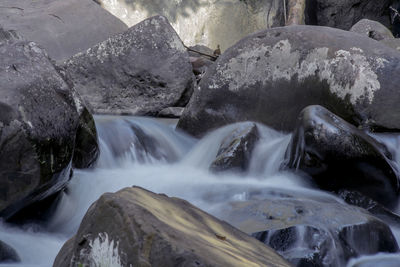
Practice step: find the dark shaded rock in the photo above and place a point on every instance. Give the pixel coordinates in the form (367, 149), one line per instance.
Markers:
(202, 49)
(311, 231)
(140, 228)
(38, 123)
(343, 14)
(270, 76)
(8, 254)
(395, 18)
(357, 199)
(338, 156)
(140, 71)
(236, 149)
(200, 65)
(171, 112)
(372, 29)
(63, 28)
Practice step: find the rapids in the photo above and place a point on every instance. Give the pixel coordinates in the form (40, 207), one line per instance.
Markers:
(151, 154)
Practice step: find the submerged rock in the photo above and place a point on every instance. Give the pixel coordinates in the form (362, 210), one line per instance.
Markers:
(338, 156)
(372, 29)
(139, 228)
(8, 254)
(62, 28)
(310, 231)
(38, 125)
(140, 71)
(171, 112)
(270, 76)
(236, 149)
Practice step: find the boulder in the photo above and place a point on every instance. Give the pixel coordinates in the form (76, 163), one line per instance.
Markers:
(140, 71)
(310, 230)
(38, 125)
(338, 156)
(62, 28)
(171, 112)
(270, 76)
(236, 149)
(372, 29)
(139, 228)
(343, 14)
(393, 43)
(207, 22)
(8, 254)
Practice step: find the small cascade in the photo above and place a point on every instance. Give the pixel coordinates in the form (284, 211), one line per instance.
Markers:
(149, 153)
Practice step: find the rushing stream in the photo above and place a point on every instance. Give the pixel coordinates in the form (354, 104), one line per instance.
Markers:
(151, 154)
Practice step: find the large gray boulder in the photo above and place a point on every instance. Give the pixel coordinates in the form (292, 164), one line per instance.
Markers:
(38, 125)
(63, 28)
(339, 156)
(8, 253)
(372, 29)
(270, 76)
(140, 71)
(135, 227)
(310, 230)
(343, 14)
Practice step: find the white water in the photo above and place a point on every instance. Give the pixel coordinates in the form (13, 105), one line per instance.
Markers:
(174, 164)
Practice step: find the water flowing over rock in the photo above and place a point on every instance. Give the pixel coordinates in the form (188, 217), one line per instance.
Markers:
(236, 149)
(8, 254)
(310, 230)
(38, 124)
(372, 29)
(207, 22)
(140, 71)
(270, 76)
(343, 14)
(139, 228)
(63, 28)
(338, 156)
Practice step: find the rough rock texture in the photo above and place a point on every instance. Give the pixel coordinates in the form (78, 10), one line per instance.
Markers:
(139, 228)
(236, 149)
(63, 28)
(372, 29)
(207, 22)
(38, 125)
(310, 230)
(7, 253)
(171, 112)
(343, 14)
(338, 156)
(140, 71)
(270, 76)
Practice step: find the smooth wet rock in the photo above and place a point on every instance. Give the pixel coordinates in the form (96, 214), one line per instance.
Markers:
(38, 125)
(8, 254)
(381, 260)
(339, 156)
(236, 149)
(139, 228)
(343, 14)
(308, 230)
(372, 29)
(62, 28)
(270, 76)
(208, 22)
(171, 112)
(357, 199)
(140, 71)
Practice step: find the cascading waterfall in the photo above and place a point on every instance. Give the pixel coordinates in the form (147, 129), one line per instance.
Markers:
(151, 154)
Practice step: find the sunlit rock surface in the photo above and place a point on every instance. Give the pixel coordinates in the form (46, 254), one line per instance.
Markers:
(207, 22)
(139, 228)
